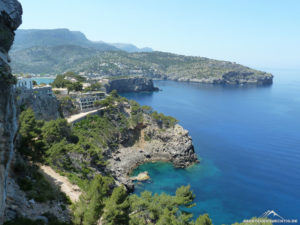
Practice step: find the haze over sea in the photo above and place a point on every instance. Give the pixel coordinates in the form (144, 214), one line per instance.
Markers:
(248, 139)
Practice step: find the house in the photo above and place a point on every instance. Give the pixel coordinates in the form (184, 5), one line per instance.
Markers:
(24, 83)
(25, 86)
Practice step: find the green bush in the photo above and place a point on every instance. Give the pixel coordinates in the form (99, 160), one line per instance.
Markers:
(164, 121)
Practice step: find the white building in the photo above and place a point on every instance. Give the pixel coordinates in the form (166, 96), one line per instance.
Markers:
(24, 83)
(25, 86)
(86, 101)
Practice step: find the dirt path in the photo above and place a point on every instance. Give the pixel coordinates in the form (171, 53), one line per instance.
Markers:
(71, 190)
(75, 117)
(78, 116)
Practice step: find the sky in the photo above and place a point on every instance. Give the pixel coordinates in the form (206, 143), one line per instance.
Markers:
(256, 33)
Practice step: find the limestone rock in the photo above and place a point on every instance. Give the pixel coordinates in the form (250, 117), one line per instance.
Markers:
(131, 84)
(10, 19)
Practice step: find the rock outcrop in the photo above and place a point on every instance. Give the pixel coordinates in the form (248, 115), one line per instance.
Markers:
(130, 84)
(155, 144)
(10, 19)
(45, 107)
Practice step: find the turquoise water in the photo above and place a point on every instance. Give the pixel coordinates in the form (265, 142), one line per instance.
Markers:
(45, 80)
(248, 139)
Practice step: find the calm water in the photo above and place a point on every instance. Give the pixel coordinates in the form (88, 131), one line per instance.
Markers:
(249, 143)
(46, 80)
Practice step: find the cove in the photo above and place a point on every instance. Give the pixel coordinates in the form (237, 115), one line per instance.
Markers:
(248, 141)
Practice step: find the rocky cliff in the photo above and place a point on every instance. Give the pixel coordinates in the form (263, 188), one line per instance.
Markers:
(121, 137)
(10, 19)
(45, 107)
(130, 84)
(170, 145)
(231, 78)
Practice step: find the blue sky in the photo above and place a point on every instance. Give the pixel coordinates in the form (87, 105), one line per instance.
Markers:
(257, 33)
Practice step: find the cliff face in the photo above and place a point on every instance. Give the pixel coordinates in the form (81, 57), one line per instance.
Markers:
(10, 19)
(134, 84)
(45, 107)
(171, 145)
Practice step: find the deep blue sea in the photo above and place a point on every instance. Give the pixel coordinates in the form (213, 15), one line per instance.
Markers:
(248, 140)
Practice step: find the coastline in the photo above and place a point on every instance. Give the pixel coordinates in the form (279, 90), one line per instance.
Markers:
(174, 146)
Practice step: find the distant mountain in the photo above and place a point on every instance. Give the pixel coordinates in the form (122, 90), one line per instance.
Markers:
(61, 50)
(131, 48)
(56, 37)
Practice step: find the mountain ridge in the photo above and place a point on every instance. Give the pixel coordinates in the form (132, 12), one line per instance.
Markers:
(26, 38)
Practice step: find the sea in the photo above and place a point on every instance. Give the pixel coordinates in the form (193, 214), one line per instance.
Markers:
(46, 80)
(248, 142)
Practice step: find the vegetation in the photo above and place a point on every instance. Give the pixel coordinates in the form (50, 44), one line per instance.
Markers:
(52, 59)
(117, 208)
(94, 87)
(90, 206)
(61, 81)
(34, 184)
(77, 152)
(76, 86)
(164, 121)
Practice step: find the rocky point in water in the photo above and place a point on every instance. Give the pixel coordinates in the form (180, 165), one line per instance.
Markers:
(156, 142)
(130, 84)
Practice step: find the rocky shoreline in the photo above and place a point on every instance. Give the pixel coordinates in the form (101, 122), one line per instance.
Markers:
(230, 78)
(171, 145)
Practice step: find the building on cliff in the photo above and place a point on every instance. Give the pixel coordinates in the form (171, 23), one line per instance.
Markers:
(85, 101)
(25, 86)
(24, 83)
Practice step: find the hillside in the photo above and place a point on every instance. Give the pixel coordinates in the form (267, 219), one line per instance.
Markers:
(161, 65)
(60, 50)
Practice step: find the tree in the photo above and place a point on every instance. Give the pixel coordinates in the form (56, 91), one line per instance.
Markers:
(185, 197)
(114, 93)
(60, 82)
(34, 83)
(94, 87)
(28, 126)
(91, 203)
(30, 129)
(77, 86)
(116, 209)
(56, 130)
(162, 209)
(203, 220)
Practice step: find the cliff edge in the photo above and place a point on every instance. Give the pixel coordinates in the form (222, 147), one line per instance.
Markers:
(10, 19)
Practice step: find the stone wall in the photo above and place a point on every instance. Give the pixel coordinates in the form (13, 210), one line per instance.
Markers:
(10, 19)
